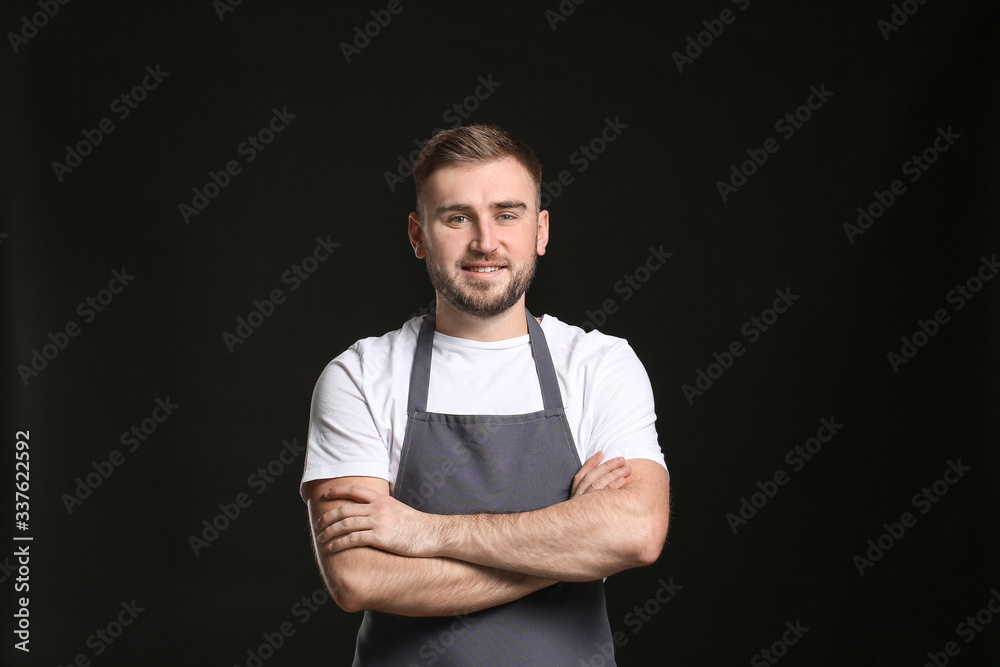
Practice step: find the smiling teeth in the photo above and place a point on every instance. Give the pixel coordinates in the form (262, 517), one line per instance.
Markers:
(484, 269)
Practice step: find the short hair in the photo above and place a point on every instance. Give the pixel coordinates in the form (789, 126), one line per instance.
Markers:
(471, 144)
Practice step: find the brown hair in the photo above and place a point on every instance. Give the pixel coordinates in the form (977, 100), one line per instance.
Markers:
(467, 145)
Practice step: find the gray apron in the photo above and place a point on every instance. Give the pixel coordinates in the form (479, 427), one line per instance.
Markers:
(466, 464)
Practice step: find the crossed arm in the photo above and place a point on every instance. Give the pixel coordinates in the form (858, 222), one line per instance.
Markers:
(378, 553)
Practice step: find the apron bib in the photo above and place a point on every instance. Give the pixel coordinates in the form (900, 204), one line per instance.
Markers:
(470, 464)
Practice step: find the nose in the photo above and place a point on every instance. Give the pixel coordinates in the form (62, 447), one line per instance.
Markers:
(484, 239)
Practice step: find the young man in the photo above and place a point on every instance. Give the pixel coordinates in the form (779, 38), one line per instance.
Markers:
(443, 473)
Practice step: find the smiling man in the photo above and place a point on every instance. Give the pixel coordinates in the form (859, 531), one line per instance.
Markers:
(472, 477)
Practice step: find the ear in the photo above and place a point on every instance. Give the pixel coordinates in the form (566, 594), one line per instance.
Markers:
(416, 233)
(543, 232)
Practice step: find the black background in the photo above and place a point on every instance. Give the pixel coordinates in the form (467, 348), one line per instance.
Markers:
(655, 185)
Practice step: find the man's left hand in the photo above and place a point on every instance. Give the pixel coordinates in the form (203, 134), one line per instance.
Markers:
(594, 475)
(379, 520)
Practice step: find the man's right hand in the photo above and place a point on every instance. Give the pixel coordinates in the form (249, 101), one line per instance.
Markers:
(370, 578)
(595, 476)
(371, 518)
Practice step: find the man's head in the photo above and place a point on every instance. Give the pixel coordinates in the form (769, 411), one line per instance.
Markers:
(478, 223)
(473, 144)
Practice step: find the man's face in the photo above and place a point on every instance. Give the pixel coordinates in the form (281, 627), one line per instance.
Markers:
(481, 235)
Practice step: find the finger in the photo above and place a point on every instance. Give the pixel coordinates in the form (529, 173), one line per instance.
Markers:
(605, 475)
(588, 465)
(588, 473)
(614, 479)
(361, 538)
(616, 484)
(354, 491)
(347, 526)
(339, 514)
(603, 469)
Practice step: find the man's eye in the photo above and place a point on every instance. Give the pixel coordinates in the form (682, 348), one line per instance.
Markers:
(506, 216)
(459, 218)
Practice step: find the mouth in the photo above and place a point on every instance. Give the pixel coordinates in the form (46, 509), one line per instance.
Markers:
(483, 269)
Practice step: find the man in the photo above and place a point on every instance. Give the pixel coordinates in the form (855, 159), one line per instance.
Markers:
(447, 498)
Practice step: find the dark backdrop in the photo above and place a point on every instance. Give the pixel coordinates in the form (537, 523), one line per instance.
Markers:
(878, 352)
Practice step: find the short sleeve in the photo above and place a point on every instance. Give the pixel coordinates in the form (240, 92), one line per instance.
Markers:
(624, 419)
(343, 439)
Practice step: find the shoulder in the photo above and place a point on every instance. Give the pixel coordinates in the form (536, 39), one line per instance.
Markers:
(372, 356)
(388, 343)
(573, 343)
(593, 358)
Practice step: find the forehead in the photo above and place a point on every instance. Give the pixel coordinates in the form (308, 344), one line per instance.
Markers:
(484, 182)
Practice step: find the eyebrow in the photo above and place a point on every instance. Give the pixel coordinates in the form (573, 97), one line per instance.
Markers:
(496, 206)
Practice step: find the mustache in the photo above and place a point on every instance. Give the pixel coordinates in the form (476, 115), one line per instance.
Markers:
(487, 257)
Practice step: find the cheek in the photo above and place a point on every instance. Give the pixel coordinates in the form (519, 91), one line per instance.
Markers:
(527, 247)
(444, 250)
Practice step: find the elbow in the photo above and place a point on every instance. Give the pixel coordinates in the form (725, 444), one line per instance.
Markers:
(348, 603)
(649, 541)
(346, 598)
(648, 553)
(650, 515)
(346, 589)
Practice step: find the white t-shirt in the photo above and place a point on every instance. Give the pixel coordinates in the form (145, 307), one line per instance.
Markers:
(358, 416)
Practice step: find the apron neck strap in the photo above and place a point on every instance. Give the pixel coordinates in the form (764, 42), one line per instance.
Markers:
(551, 398)
(420, 373)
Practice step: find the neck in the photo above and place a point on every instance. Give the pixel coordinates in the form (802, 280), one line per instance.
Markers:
(453, 322)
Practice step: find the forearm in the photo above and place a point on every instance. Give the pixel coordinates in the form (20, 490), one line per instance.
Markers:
(592, 535)
(582, 539)
(368, 578)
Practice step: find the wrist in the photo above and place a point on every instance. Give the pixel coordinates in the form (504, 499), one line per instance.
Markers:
(448, 535)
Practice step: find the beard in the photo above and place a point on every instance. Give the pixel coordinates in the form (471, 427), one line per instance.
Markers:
(481, 299)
